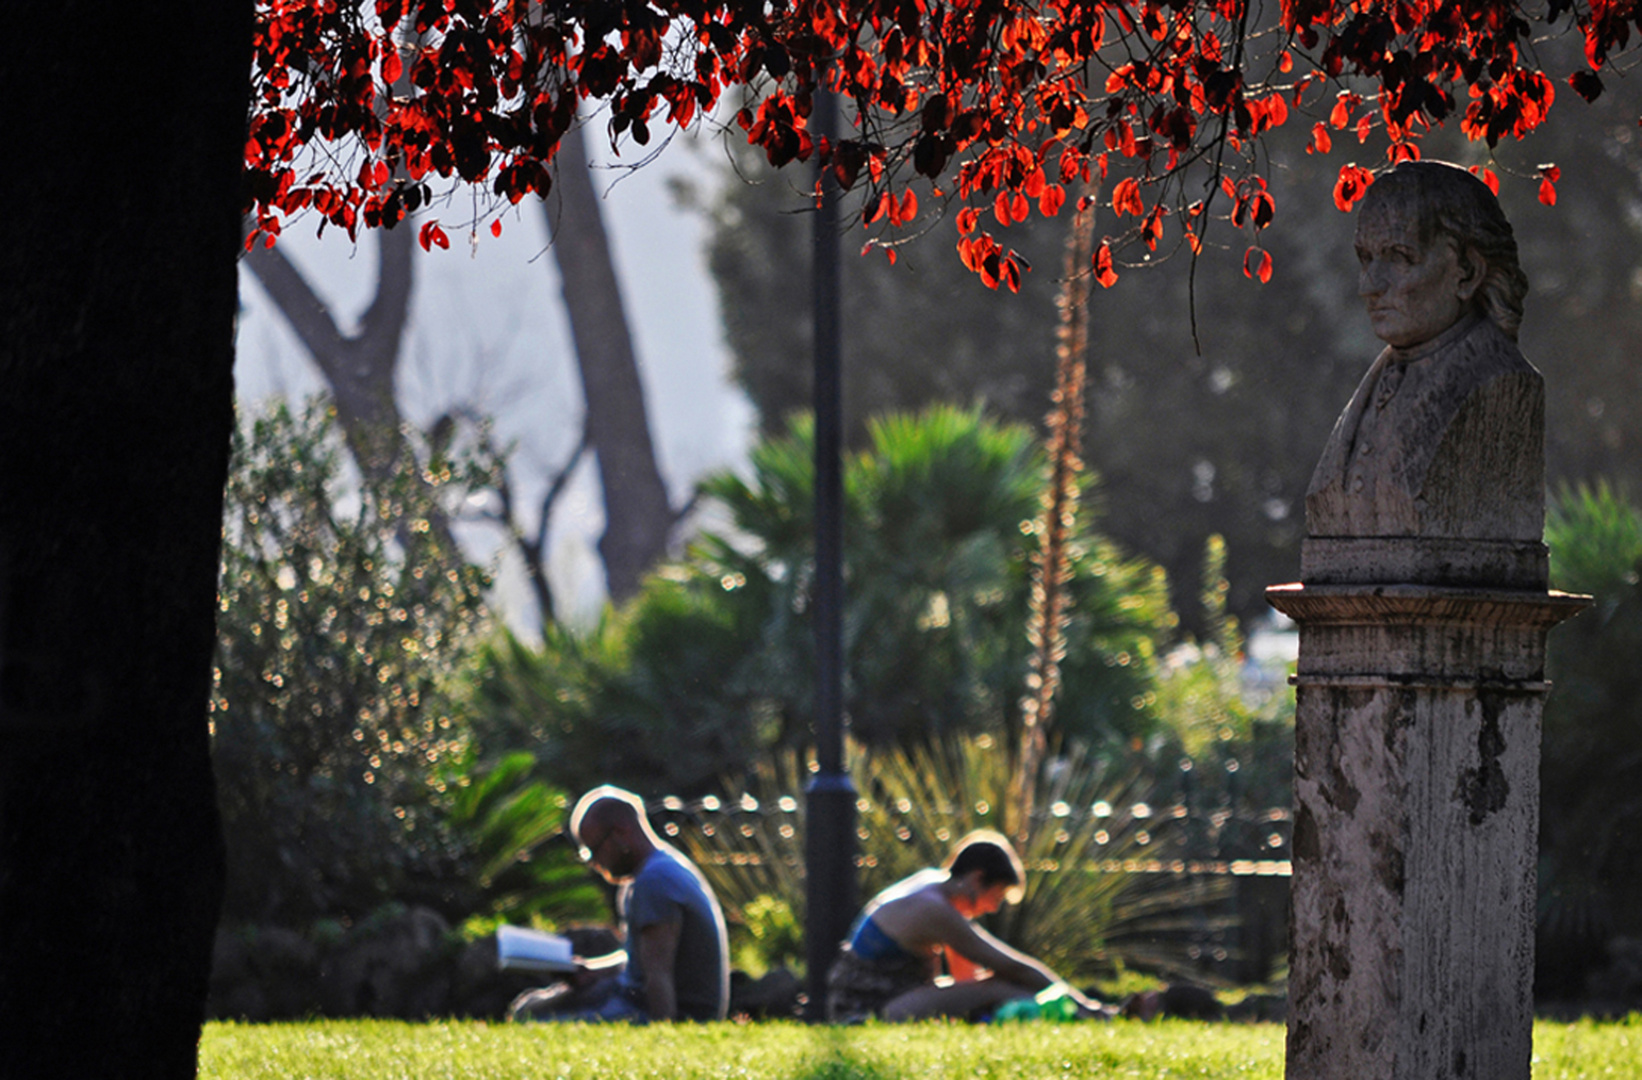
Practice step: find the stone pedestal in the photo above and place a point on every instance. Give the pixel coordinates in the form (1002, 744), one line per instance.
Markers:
(1416, 807)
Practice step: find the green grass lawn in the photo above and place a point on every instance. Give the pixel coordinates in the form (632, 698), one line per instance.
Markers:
(385, 1050)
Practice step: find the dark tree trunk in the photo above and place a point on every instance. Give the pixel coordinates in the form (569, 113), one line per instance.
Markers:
(117, 296)
(637, 514)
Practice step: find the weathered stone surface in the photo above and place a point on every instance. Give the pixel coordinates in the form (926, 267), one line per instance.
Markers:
(1425, 560)
(1416, 634)
(1414, 839)
(1416, 808)
(1443, 440)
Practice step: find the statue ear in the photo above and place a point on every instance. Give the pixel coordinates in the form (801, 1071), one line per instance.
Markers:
(1473, 268)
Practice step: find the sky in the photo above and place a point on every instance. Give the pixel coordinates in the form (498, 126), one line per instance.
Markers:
(488, 331)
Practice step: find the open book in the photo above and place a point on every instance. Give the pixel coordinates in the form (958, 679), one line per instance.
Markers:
(521, 949)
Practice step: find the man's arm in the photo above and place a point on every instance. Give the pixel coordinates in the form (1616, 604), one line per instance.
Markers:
(658, 948)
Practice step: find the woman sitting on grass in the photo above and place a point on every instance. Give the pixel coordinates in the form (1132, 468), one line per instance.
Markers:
(890, 965)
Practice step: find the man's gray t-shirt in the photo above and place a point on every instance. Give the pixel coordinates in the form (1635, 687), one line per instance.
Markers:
(669, 888)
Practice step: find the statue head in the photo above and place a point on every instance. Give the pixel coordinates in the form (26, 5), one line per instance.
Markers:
(1435, 246)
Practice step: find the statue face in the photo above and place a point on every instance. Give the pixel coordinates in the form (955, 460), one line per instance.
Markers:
(1413, 292)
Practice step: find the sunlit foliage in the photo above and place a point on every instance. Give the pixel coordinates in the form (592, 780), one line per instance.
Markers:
(1013, 109)
(342, 622)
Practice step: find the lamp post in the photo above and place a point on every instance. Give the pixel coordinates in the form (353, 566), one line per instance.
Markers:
(829, 834)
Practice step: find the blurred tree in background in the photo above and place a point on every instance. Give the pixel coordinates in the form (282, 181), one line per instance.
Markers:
(711, 663)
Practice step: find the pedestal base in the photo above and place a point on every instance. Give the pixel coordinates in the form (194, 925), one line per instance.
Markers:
(1416, 807)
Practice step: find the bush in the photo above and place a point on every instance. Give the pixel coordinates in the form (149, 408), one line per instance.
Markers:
(512, 829)
(344, 621)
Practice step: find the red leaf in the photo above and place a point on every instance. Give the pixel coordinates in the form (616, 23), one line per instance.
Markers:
(966, 220)
(1549, 175)
(1341, 116)
(1151, 230)
(989, 270)
(1277, 111)
(1126, 198)
(1257, 265)
(1352, 186)
(1320, 140)
(496, 227)
(1052, 199)
(1103, 266)
(1071, 163)
(1487, 176)
(1587, 84)
(432, 234)
(1264, 208)
(1011, 275)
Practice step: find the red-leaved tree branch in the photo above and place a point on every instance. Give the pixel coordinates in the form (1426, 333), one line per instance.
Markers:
(995, 105)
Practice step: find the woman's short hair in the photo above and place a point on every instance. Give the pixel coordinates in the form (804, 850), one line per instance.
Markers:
(1447, 200)
(991, 854)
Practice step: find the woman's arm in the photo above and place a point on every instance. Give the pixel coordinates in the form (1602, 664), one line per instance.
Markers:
(963, 938)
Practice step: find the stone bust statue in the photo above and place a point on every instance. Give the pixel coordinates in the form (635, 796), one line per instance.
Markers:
(1444, 439)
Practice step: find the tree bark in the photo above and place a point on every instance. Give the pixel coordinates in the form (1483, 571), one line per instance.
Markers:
(637, 513)
(117, 301)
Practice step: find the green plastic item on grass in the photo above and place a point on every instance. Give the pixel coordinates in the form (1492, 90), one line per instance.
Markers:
(1050, 1003)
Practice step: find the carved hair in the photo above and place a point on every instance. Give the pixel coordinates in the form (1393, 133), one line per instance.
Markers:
(1447, 200)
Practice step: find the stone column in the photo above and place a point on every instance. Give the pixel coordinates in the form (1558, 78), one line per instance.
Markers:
(1419, 693)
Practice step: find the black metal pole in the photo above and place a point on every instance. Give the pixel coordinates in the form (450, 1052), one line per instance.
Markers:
(829, 834)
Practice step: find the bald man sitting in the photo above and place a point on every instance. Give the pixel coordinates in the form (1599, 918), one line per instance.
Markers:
(677, 953)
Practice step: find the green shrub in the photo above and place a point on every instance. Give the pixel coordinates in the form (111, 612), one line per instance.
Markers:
(1225, 744)
(511, 827)
(343, 624)
(712, 664)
